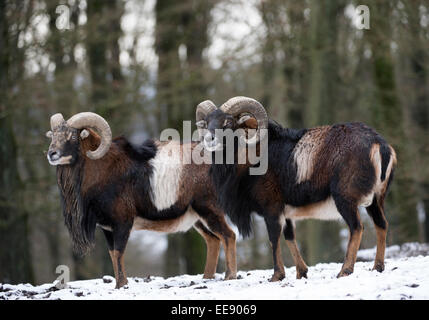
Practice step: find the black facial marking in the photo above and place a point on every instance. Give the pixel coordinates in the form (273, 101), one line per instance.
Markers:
(219, 120)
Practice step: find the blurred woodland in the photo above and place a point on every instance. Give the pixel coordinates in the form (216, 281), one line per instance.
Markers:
(145, 65)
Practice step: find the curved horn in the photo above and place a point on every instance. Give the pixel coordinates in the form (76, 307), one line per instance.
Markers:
(56, 120)
(238, 105)
(93, 121)
(203, 109)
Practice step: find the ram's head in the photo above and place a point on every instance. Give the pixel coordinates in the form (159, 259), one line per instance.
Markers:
(237, 113)
(65, 147)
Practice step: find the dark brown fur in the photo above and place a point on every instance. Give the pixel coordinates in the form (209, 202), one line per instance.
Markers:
(337, 167)
(115, 190)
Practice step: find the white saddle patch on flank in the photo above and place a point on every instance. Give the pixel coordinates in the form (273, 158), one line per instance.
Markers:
(180, 224)
(305, 152)
(323, 210)
(167, 171)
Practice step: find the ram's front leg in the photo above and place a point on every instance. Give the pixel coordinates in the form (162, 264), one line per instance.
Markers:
(274, 231)
(117, 242)
(110, 244)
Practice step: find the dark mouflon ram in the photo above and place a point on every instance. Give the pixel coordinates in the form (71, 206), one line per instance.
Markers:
(321, 173)
(121, 187)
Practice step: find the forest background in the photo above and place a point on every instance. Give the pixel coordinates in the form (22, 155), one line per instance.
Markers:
(145, 65)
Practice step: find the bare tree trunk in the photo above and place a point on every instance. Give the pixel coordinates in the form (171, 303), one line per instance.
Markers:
(103, 31)
(388, 115)
(96, 45)
(15, 260)
(320, 111)
(415, 50)
(324, 68)
(180, 87)
(167, 45)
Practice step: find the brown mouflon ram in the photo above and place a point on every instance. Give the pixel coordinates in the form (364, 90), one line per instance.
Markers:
(121, 187)
(321, 173)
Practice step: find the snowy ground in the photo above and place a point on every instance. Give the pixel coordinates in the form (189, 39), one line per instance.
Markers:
(405, 277)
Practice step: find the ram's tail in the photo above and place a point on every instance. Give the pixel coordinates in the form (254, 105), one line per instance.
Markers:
(387, 157)
(388, 160)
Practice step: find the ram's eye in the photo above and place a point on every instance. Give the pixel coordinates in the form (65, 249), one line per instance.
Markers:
(201, 124)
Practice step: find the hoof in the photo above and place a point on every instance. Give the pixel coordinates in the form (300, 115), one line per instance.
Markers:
(210, 276)
(379, 267)
(345, 273)
(301, 274)
(277, 277)
(230, 276)
(121, 284)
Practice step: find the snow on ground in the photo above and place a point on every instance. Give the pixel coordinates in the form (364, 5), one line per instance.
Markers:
(405, 277)
(410, 249)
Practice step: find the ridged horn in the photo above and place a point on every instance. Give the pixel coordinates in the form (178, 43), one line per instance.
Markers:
(238, 105)
(56, 120)
(203, 109)
(93, 121)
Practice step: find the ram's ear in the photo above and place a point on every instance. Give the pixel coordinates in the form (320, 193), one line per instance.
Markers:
(84, 134)
(248, 121)
(48, 134)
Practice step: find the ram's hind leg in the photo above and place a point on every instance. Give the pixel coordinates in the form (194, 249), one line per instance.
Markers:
(214, 220)
(213, 248)
(349, 211)
(227, 236)
(376, 211)
(274, 231)
(289, 233)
